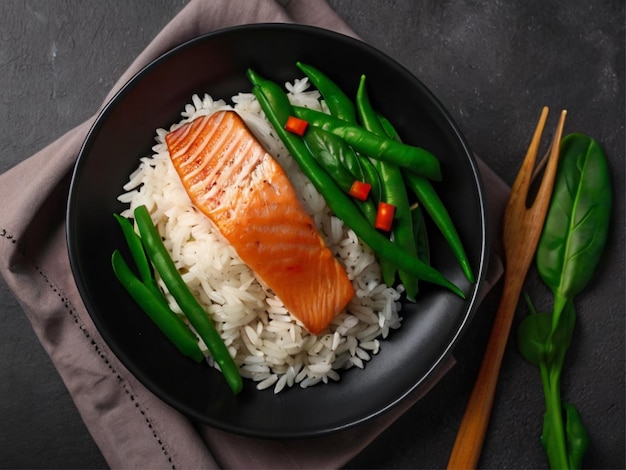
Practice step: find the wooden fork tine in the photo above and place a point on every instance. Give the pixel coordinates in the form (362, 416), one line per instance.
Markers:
(547, 184)
(531, 219)
(522, 182)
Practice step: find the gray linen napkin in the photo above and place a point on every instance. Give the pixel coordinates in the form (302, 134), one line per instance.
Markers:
(132, 427)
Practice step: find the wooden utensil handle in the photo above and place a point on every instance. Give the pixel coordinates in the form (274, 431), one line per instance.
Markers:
(471, 434)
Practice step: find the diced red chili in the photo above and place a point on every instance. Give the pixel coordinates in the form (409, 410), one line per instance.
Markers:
(296, 125)
(384, 216)
(360, 190)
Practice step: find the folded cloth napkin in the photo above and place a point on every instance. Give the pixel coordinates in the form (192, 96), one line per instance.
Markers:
(132, 427)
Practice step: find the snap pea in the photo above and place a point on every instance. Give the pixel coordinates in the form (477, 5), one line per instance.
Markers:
(410, 157)
(365, 111)
(156, 308)
(372, 177)
(342, 107)
(432, 204)
(394, 193)
(277, 109)
(194, 312)
(339, 104)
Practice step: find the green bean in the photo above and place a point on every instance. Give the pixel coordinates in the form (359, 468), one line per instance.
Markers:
(277, 108)
(136, 248)
(413, 158)
(138, 253)
(192, 309)
(147, 294)
(394, 192)
(154, 306)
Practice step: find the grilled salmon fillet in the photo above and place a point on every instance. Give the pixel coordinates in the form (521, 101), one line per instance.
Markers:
(243, 190)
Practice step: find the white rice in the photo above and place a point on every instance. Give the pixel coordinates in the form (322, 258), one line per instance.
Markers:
(270, 346)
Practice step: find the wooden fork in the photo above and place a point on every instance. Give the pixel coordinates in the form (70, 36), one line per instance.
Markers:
(522, 228)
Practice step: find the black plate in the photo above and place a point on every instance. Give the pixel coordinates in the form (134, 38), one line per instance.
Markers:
(217, 64)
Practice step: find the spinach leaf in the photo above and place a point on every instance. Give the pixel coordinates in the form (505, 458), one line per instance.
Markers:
(576, 227)
(532, 334)
(569, 251)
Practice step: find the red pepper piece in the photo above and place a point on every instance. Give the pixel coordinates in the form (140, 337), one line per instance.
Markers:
(296, 125)
(360, 190)
(384, 216)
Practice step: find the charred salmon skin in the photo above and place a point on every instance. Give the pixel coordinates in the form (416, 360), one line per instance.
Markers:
(244, 191)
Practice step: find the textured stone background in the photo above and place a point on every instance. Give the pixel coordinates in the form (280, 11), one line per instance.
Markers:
(492, 64)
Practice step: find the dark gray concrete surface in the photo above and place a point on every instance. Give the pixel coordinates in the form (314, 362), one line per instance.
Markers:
(493, 64)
